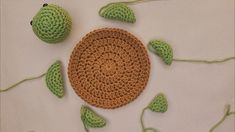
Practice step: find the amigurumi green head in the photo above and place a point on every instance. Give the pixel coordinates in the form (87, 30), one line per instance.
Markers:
(52, 23)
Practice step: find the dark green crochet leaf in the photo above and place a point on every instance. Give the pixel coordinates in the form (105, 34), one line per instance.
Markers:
(52, 23)
(118, 11)
(163, 50)
(90, 118)
(159, 104)
(54, 80)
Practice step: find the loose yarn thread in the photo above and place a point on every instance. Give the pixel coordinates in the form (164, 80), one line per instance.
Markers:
(226, 114)
(24, 80)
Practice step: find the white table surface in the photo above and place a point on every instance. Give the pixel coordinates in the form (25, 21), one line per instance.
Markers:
(197, 93)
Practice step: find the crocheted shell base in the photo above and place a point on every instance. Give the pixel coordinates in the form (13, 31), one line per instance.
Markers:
(109, 68)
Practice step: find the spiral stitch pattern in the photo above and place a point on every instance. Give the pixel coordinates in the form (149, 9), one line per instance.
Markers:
(52, 23)
(109, 68)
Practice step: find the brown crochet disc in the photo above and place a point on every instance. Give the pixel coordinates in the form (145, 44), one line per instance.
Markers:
(109, 68)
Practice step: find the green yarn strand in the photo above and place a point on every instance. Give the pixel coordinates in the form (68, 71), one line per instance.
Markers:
(141, 119)
(135, 1)
(85, 127)
(24, 80)
(125, 2)
(151, 129)
(142, 122)
(226, 114)
(205, 61)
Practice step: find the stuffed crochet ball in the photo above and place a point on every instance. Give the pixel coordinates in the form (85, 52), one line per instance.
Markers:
(52, 23)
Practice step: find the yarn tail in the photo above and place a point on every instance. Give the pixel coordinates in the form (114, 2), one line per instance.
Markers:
(135, 1)
(226, 114)
(205, 61)
(142, 122)
(18, 83)
(85, 127)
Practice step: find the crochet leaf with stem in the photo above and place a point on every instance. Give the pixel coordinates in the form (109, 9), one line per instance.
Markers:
(158, 104)
(226, 114)
(120, 11)
(52, 23)
(165, 52)
(54, 80)
(91, 119)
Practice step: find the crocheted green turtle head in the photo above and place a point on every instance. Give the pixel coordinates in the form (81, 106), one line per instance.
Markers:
(52, 23)
(90, 118)
(54, 79)
(159, 103)
(163, 50)
(118, 11)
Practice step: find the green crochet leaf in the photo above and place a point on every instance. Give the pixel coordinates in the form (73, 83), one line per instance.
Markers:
(54, 79)
(159, 103)
(91, 119)
(52, 23)
(118, 11)
(163, 50)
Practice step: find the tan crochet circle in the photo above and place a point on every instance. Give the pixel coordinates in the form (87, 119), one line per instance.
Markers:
(109, 68)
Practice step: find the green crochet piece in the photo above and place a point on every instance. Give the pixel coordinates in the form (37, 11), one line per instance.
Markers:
(163, 50)
(91, 119)
(159, 103)
(118, 11)
(54, 80)
(52, 23)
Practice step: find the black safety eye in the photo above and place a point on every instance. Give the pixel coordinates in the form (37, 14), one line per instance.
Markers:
(31, 22)
(45, 4)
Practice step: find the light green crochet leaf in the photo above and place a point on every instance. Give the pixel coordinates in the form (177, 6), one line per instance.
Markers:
(118, 11)
(163, 50)
(90, 118)
(52, 23)
(54, 79)
(159, 103)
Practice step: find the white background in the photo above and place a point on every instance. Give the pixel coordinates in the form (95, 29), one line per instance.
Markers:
(197, 93)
